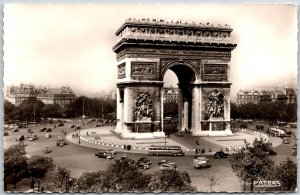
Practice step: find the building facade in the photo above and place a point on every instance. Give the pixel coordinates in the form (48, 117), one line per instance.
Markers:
(282, 95)
(17, 94)
(170, 95)
(62, 96)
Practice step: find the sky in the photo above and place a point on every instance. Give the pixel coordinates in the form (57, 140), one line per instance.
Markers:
(71, 44)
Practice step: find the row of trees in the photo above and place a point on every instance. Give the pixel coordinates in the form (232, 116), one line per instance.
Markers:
(17, 166)
(270, 111)
(121, 177)
(254, 164)
(34, 110)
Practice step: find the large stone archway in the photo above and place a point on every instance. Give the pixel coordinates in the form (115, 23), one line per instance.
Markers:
(200, 57)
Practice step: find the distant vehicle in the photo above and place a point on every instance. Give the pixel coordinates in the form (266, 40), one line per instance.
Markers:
(200, 162)
(168, 166)
(48, 130)
(48, 135)
(165, 150)
(295, 147)
(164, 162)
(60, 141)
(221, 154)
(33, 137)
(21, 138)
(104, 155)
(60, 124)
(142, 164)
(46, 150)
(42, 129)
(286, 141)
(97, 125)
(78, 127)
(277, 132)
(15, 130)
(72, 126)
(29, 131)
(145, 161)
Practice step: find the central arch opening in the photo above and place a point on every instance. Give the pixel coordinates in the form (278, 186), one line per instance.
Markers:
(177, 101)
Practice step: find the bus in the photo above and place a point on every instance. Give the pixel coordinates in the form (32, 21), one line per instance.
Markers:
(165, 150)
(277, 132)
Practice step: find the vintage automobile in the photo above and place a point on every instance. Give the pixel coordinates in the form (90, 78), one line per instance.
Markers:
(168, 166)
(104, 155)
(200, 162)
(221, 154)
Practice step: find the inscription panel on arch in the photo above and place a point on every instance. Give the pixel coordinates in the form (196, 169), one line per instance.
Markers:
(144, 69)
(214, 72)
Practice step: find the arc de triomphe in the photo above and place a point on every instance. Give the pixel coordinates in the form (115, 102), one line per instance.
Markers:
(199, 54)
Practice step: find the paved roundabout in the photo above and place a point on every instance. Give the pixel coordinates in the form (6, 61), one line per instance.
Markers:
(104, 137)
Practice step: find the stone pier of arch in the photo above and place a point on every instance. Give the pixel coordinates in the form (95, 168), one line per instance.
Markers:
(199, 56)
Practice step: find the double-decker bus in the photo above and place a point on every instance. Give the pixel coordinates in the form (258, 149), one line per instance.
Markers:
(165, 150)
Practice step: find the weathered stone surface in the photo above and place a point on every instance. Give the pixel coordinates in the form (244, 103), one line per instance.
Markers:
(199, 54)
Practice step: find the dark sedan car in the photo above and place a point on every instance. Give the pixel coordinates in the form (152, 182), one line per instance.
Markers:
(104, 155)
(221, 154)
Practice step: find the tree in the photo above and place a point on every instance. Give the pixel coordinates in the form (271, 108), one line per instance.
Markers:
(8, 109)
(15, 164)
(51, 110)
(62, 180)
(38, 166)
(125, 178)
(253, 163)
(93, 182)
(170, 181)
(286, 174)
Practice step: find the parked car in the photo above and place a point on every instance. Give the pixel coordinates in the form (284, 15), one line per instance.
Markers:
(46, 150)
(15, 130)
(72, 126)
(42, 129)
(145, 161)
(243, 126)
(48, 130)
(60, 124)
(104, 155)
(221, 154)
(60, 141)
(48, 135)
(168, 166)
(295, 147)
(164, 162)
(21, 138)
(286, 141)
(200, 162)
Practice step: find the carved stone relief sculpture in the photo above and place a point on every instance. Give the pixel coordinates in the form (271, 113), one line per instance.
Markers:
(143, 107)
(121, 71)
(215, 105)
(142, 68)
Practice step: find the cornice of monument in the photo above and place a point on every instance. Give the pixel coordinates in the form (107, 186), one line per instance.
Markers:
(175, 24)
(146, 31)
